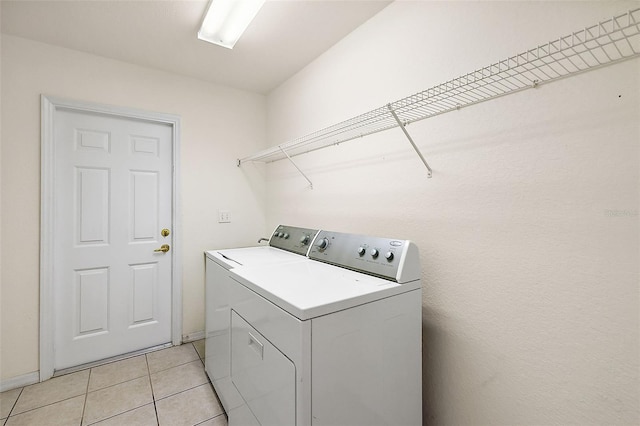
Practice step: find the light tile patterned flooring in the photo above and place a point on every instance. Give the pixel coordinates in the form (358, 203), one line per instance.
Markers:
(166, 387)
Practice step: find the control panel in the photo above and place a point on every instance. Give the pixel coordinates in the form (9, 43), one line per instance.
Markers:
(291, 238)
(382, 257)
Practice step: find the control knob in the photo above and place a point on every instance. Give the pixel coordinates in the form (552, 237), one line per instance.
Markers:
(304, 239)
(389, 256)
(280, 234)
(361, 251)
(285, 236)
(374, 253)
(322, 243)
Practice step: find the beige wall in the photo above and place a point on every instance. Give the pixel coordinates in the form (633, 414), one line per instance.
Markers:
(218, 125)
(531, 297)
(529, 228)
(1, 212)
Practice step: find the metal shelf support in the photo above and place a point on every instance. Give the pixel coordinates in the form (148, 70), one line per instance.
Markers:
(296, 166)
(406, 133)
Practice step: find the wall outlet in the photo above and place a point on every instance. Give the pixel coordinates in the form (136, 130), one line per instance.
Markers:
(224, 216)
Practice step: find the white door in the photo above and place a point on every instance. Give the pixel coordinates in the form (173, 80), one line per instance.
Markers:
(112, 289)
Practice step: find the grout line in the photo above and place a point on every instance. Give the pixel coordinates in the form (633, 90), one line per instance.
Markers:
(115, 384)
(86, 396)
(173, 366)
(214, 417)
(45, 405)
(131, 409)
(153, 394)
(224, 413)
(183, 391)
(86, 393)
(181, 363)
(201, 358)
(13, 406)
(110, 360)
(119, 414)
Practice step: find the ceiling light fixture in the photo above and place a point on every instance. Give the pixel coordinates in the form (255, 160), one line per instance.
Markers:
(226, 20)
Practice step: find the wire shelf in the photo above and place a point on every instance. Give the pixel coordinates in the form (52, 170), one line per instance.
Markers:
(608, 42)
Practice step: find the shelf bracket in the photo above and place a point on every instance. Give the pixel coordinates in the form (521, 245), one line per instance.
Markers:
(402, 126)
(296, 166)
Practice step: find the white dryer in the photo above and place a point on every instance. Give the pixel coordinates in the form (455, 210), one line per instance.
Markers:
(287, 244)
(334, 340)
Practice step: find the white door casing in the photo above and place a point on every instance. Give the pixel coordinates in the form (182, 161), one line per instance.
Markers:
(109, 185)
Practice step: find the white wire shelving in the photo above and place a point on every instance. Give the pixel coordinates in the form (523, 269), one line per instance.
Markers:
(608, 42)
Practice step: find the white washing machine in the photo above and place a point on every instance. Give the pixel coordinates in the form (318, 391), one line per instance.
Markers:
(333, 340)
(287, 244)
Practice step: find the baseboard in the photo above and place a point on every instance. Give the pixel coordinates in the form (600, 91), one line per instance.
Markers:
(19, 381)
(192, 337)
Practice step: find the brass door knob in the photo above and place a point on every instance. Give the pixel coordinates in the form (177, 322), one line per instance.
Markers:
(165, 232)
(163, 248)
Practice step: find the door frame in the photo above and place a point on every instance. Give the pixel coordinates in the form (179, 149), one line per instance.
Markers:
(49, 106)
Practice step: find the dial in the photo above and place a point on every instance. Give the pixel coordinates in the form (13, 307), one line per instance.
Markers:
(322, 243)
(374, 253)
(389, 256)
(361, 251)
(280, 234)
(304, 239)
(285, 236)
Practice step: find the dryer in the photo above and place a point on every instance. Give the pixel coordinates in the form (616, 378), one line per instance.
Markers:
(287, 244)
(333, 340)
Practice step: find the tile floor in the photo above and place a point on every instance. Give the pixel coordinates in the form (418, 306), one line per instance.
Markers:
(166, 387)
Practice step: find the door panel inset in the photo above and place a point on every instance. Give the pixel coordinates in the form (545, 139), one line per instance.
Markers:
(93, 205)
(92, 296)
(93, 140)
(144, 281)
(145, 145)
(144, 192)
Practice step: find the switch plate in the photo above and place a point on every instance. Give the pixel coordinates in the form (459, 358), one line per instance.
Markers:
(224, 216)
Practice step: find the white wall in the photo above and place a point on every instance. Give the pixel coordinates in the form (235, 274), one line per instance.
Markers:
(528, 230)
(218, 125)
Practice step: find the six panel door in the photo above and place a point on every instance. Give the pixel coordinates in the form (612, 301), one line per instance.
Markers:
(112, 197)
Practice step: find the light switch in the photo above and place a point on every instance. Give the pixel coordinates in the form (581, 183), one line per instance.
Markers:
(224, 216)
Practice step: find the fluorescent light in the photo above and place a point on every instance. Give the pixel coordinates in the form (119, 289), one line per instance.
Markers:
(226, 20)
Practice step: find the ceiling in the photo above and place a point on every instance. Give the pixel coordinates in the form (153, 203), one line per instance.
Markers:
(283, 38)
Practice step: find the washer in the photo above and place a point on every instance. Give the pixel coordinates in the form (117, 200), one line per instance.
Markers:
(287, 244)
(333, 340)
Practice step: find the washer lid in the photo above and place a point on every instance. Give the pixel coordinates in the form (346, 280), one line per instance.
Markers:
(309, 289)
(251, 256)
